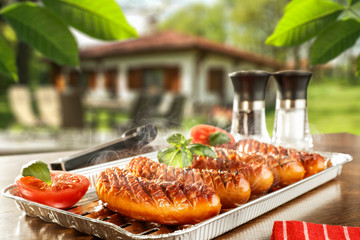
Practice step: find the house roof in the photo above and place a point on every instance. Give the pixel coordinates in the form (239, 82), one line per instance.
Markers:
(173, 41)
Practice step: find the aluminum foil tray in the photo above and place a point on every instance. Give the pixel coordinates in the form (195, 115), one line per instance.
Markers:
(91, 217)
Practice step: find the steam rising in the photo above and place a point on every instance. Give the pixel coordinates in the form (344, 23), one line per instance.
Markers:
(132, 146)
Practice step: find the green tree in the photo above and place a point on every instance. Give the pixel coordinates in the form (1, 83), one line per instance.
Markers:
(199, 20)
(241, 23)
(45, 26)
(251, 22)
(331, 27)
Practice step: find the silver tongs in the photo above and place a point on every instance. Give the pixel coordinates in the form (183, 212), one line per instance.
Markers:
(133, 139)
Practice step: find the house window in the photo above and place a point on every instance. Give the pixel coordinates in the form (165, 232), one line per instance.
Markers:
(91, 79)
(154, 79)
(215, 82)
(135, 78)
(172, 79)
(110, 81)
(73, 78)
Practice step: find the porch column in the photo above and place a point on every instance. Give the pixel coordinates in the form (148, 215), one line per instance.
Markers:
(187, 78)
(122, 86)
(100, 89)
(188, 84)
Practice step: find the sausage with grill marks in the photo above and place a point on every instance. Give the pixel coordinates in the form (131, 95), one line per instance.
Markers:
(259, 175)
(232, 188)
(286, 170)
(312, 162)
(263, 172)
(171, 203)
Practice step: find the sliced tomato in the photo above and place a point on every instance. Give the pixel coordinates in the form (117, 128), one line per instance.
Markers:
(201, 134)
(66, 189)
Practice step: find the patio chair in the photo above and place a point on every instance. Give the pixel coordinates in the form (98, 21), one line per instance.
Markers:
(175, 113)
(49, 106)
(143, 111)
(20, 101)
(72, 110)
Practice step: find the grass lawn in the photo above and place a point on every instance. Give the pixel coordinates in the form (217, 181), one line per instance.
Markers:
(332, 107)
(5, 115)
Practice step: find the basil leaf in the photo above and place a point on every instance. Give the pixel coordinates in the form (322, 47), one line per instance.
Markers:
(187, 157)
(177, 160)
(218, 138)
(170, 156)
(180, 154)
(188, 141)
(37, 169)
(176, 139)
(202, 150)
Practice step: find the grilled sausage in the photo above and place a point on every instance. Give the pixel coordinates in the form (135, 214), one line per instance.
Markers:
(232, 188)
(312, 162)
(263, 172)
(286, 170)
(259, 175)
(171, 203)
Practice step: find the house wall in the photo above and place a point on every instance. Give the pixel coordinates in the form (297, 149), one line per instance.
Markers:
(193, 69)
(184, 60)
(215, 61)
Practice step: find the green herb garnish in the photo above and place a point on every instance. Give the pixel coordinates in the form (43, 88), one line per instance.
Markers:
(182, 151)
(37, 169)
(218, 138)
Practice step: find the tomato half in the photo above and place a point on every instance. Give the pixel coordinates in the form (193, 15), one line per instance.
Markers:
(66, 189)
(201, 134)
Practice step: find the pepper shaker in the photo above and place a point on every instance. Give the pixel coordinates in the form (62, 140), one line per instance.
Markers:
(248, 120)
(291, 126)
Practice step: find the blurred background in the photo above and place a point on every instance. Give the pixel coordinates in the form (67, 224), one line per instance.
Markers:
(175, 75)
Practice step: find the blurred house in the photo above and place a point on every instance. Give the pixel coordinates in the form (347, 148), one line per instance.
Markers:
(166, 62)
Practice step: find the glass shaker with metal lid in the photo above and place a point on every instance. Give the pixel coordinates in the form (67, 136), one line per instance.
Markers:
(248, 120)
(291, 126)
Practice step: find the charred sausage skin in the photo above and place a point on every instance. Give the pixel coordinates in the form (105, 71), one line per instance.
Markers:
(232, 187)
(312, 162)
(259, 175)
(171, 203)
(263, 172)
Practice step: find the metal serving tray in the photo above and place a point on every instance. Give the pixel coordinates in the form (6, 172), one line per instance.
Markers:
(91, 217)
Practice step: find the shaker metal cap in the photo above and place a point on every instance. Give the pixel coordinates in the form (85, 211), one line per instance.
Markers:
(250, 85)
(292, 84)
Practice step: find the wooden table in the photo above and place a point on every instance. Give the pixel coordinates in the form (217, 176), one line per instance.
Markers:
(336, 202)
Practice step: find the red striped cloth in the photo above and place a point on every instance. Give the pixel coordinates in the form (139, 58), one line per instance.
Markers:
(296, 230)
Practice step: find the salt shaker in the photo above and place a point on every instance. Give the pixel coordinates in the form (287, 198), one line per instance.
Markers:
(248, 120)
(291, 126)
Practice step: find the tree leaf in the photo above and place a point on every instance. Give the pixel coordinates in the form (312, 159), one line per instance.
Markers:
(292, 4)
(303, 21)
(358, 67)
(354, 10)
(334, 40)
(353, 2)
(37, 169)
(100, 19)
(7, 60)
(202, 150)
(43, 31)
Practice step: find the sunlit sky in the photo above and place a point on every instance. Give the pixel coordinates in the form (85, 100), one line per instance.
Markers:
(137, 11)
